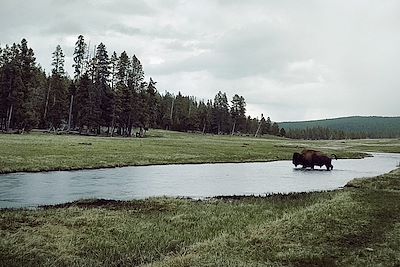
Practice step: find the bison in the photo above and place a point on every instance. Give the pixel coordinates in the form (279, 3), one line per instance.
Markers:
(311, 158)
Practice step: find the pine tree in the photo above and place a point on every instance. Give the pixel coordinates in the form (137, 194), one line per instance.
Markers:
(22, 113)
(136, 74)
(103, 89)
(6, 79)
(262, 126)
(282, 132)
(275, 129)
(152, 103)
(79, 57)
(204, 116)
(58, 92)
(124, 96)
(221, 113)
(267, 126)
(113, 70)
(238, 113)
(79, 62)
(58, 62)
(137, 85)
(88, 112)
(165, 113)
(180, 113)
(123, 66)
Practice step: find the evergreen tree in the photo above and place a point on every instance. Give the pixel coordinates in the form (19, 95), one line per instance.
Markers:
(238, 113)
(282, 132)
(113, 70)
(262, 126)
(275, 129)
(152, 103)
(124, 96)
(180, 113)
(58, 92)
(79, 56)
(123, 66)
(21, 112)
(268, 125)
(221, 113)
(136, 74)
(165, 114)
(79, 62)
(58, 62)
(88, 112)
(104, 93)
(8, 69)
(193, 115)
(137, 85)
(204, 116)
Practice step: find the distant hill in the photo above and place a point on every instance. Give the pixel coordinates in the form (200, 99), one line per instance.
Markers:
(373, 126)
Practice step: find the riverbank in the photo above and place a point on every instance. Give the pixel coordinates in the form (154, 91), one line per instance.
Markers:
(45, 152)
(358, 225)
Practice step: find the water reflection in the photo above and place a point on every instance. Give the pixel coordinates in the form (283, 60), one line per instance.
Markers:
(32, 189)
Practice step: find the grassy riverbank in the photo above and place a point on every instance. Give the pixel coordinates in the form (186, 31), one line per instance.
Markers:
(356, 226)
(43, 152)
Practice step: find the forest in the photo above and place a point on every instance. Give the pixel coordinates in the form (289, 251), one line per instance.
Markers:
(107, 95)
(354, 127)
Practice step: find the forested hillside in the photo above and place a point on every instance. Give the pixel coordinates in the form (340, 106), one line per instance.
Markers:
(108, 95)
(352, 127)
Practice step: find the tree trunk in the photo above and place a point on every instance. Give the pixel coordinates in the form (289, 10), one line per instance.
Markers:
(113, 122)
(9, 117)
(129, 129)
(47, 101)
(70, 112)
(258, 129)
(172, 109)
(233, 128)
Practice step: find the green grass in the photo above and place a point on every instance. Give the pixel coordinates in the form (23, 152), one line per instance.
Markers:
(356, 226)
(43, 152)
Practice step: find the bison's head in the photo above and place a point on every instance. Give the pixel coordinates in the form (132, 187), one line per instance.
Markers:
(297, 159)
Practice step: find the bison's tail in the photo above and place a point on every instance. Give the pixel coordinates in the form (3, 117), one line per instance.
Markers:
(334, 156)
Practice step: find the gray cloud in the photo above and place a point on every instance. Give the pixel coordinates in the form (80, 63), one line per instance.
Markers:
(289, 59)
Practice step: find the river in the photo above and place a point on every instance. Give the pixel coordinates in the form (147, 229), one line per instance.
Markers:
(191, 180)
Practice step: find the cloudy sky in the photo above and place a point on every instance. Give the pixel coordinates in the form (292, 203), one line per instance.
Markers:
(291, 60)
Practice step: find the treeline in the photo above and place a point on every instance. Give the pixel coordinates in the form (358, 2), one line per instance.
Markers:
(324, 133)
(363, 126)
(108, 95)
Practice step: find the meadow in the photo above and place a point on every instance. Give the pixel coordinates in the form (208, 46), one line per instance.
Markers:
(44, 152)
(355, 226)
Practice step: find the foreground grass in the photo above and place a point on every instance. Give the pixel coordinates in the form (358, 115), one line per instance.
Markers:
(356, 226)
(43, 152)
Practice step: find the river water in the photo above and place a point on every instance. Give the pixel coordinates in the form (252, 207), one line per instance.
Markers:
(192, 180)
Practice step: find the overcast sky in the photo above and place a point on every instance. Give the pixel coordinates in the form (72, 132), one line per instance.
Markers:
(291, 60)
